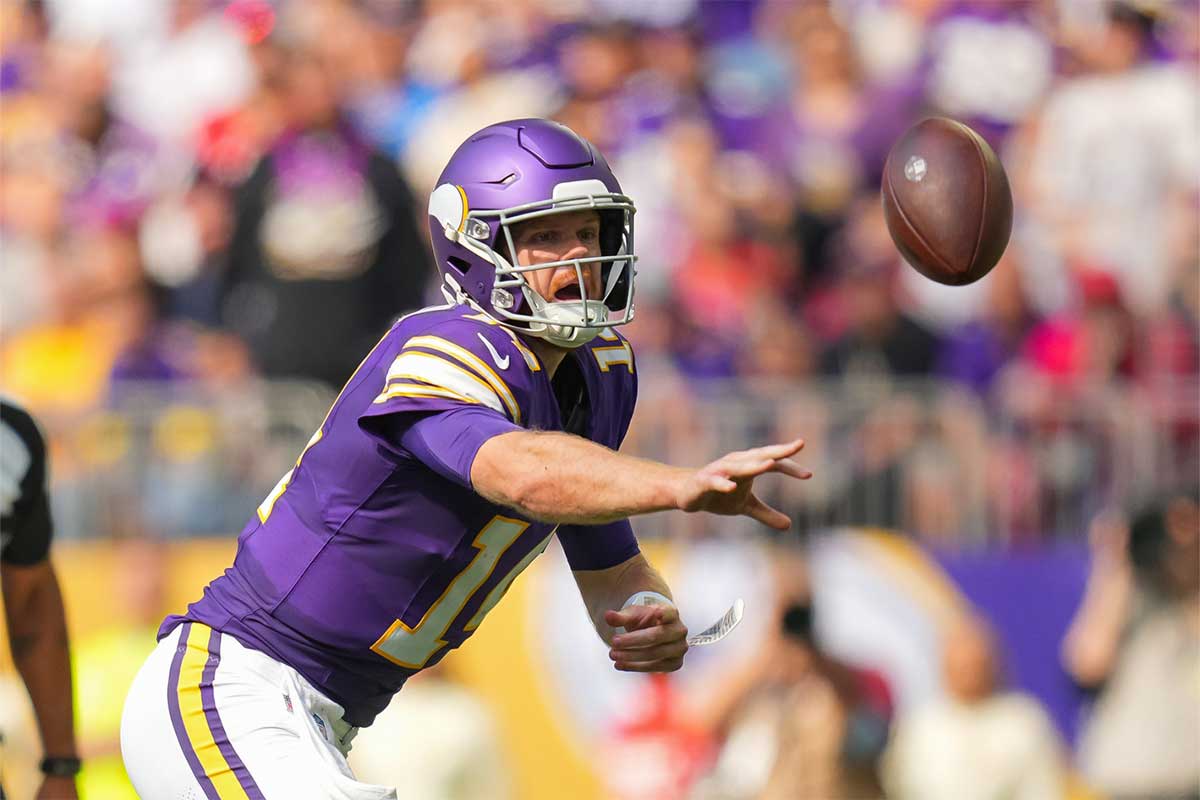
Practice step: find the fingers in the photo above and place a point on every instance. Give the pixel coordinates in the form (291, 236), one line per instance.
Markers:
(666, 665)
(662, 652)
(771, 517)
(649, 636)
(788, 467)
(744, 465)
(655, 639)
(771, 458)
(720, 483)
(723, 487)
(637, 618)
(657, 649)
(778, 451)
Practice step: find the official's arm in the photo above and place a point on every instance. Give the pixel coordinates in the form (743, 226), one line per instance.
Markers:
(37, 633)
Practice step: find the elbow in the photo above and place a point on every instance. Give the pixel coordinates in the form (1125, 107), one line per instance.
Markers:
(524, 491)
(1088, 667)
(500, 481)
(532, 495)
(1088, 673)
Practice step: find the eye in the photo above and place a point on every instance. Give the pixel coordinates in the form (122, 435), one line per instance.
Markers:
(589, 234)
(544, 237)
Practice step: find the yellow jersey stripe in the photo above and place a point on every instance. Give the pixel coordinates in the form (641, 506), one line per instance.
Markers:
(530, 358)
(469, 359)
(438, 371)
(413, 390)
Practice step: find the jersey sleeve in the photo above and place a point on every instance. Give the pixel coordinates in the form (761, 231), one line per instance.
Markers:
(447, 391)
(25, 522)
(447, 442)
(452, 367)
(590, 547)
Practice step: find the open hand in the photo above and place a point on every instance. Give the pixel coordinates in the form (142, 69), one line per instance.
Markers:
(726, 485)
(655, 639)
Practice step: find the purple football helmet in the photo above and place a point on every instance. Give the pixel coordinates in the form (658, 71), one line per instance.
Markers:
(520, 170)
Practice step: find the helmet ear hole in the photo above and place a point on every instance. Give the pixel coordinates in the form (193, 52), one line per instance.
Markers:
(460, 264)
(619, 295)
(612, 232)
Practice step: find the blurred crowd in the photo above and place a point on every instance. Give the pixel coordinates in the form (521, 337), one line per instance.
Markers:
(196, 193)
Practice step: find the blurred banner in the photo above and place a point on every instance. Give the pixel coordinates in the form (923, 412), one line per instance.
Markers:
(538, 676)
(210, 209)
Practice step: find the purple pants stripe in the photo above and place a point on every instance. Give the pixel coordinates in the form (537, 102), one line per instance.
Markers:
(214, 720)
(185, 743)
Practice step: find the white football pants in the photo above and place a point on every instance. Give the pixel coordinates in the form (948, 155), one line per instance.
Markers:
(209, 719)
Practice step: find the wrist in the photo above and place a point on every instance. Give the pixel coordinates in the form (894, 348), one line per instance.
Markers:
(60, 766)
(670, 489)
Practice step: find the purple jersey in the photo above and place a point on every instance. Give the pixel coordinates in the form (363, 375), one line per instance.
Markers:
(373, 557)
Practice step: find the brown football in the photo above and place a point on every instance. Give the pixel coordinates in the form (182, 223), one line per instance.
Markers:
(947, 202)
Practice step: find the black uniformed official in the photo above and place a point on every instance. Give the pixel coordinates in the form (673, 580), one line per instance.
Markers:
(33, 606)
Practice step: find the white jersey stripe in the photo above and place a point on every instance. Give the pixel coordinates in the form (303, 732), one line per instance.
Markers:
(439, 372)
(476, 364)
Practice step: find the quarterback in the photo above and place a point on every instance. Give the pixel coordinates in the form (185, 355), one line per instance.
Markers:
(468, 437)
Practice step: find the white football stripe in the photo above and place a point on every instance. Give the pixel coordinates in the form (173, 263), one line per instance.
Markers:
(473, 363)
(437, 371)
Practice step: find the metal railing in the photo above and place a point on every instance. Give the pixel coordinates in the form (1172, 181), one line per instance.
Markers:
(1029, 461)
(177, 460)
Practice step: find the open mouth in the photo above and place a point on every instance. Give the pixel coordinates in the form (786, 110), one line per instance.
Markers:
(569, 292)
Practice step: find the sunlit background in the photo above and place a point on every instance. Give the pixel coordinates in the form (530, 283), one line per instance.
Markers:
(209, 211)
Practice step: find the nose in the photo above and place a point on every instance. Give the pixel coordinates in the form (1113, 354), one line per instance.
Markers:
(578, 250)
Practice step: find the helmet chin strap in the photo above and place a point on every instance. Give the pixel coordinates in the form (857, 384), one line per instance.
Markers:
(568, 319)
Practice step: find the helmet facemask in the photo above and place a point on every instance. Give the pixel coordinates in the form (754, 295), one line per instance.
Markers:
(515, 303)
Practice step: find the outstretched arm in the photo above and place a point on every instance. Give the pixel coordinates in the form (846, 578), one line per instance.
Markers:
(558, 477)
(38, 635)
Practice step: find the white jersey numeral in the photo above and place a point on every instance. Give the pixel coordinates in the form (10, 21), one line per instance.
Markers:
(413, 647)
(609, 357)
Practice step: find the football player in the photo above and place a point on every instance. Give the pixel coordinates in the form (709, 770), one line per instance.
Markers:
(468, 437)
(37, 628)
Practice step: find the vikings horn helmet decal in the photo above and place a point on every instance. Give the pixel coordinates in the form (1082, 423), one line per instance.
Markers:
(516, 171)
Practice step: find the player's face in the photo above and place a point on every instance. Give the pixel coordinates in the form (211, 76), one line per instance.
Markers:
(560, 237)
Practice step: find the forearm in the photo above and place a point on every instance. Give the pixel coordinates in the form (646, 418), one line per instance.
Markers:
(38, 637)
(558, 477)
(1093, 640)
(608, 589)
